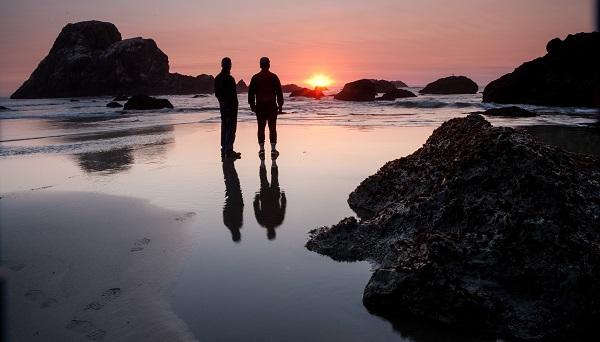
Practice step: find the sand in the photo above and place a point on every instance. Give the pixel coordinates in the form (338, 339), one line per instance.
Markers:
(91, 266)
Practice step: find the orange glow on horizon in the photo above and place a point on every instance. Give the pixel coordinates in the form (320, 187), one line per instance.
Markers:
(319, 80)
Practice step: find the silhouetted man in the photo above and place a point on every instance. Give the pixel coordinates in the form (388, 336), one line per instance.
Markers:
(265, 97)
(270, 202)
(226, 93)
(233, 210)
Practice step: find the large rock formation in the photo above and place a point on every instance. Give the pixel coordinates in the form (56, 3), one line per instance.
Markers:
(568, 75)
(288, 88)
(399, 84)
(361, 90)
(90, 59)
(305, 92)
(451, 85)
(483, 227)
(383, 86)
(241, 87)
(396, 94)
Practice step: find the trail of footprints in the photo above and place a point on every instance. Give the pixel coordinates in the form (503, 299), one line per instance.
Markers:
(88, 328)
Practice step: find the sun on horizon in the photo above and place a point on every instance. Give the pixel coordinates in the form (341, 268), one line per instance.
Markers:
(319, 80)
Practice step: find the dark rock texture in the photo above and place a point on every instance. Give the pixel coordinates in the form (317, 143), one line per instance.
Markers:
(483, 228)
(144, 102)
(396, 94)
(121, 98)
(399, 84)
(305, 92)
(451, 85)
(568, 75)
(114, 104)
(383, 86)
(510, 112)
(241, 87)
(3, 108)
(288, 88)
(361, 90)
(90, 59)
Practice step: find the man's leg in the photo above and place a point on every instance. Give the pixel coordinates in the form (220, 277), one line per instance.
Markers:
(262, 123)
(233, 129)
(273, 130)
(223, 131)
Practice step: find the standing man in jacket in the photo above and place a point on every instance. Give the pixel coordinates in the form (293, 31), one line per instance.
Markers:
(226, 93)
(265, 97)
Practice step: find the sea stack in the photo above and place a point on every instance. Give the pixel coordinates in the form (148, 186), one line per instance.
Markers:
(568, 75)
(361, 90)
(91, 59)
(451, 85)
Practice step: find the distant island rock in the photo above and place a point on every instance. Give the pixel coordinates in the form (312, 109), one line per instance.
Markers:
(90, 59)
(395, 94)
(451, 85)
(288, 88)
(144, 102)
(510, 112)
(484, 228)
(399, 84)
(383, 86)
(241, 87)
(305, 92)
(121, 98)
(114, 104)
(568, 75)
(361, 90)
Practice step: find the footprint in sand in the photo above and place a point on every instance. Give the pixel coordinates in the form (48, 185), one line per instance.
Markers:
(86, 327)
(105, 297)
(39, 297)
(185, 216)
(140, 244)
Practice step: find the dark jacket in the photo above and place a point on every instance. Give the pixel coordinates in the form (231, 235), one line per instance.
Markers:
(265, 89)
(225, 90)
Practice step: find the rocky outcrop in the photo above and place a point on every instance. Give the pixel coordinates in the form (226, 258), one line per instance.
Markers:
(90, 59)
(144, 102)
(288, 88)
(510, 112)
(241, 87)
(396, 94)
(568, 75)
(483, 228)
(383, 86)
(399, 84)
(451, 85)
(114, 104)
(305, 92)
(361, 90)
(121, 98)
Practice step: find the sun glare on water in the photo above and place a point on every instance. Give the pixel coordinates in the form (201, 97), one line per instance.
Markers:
(319, 80)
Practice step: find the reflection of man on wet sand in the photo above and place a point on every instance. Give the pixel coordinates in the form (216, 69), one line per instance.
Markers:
(233, 210)
(270, 201)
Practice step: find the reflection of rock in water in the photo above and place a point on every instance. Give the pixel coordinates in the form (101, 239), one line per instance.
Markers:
(573, 139)
(147, 145)
(233, 210)
(270, 202)
(112, 161)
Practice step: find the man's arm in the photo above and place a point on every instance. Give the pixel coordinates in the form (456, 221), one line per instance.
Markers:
(279, 93)
(252, 95)
(232, 90)
(218, 92)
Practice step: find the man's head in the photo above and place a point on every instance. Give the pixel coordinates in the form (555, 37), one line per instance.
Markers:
(265, 63)
(226, 63)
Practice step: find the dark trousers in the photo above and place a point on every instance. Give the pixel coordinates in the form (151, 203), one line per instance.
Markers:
(267, 114)
(228, 127)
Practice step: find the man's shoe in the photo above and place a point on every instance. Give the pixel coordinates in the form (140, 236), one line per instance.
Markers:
(233, 154)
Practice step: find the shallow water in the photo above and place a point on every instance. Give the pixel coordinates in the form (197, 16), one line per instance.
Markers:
(247, 275)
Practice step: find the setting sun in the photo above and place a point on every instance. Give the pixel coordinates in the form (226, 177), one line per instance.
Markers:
(319, 80)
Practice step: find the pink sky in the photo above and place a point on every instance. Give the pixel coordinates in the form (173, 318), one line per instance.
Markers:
(413, 41)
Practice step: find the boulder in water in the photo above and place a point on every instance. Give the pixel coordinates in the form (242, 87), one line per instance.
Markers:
(144, 102)
(451, 85)
(288, 88)
(399, 84)
(361, 90)
(121, 98)
(568, 75)
(305, 92)
(484, 228)
(114, 104)
(241, 87)
(510, 112)
(396, 94)
(383, 86)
